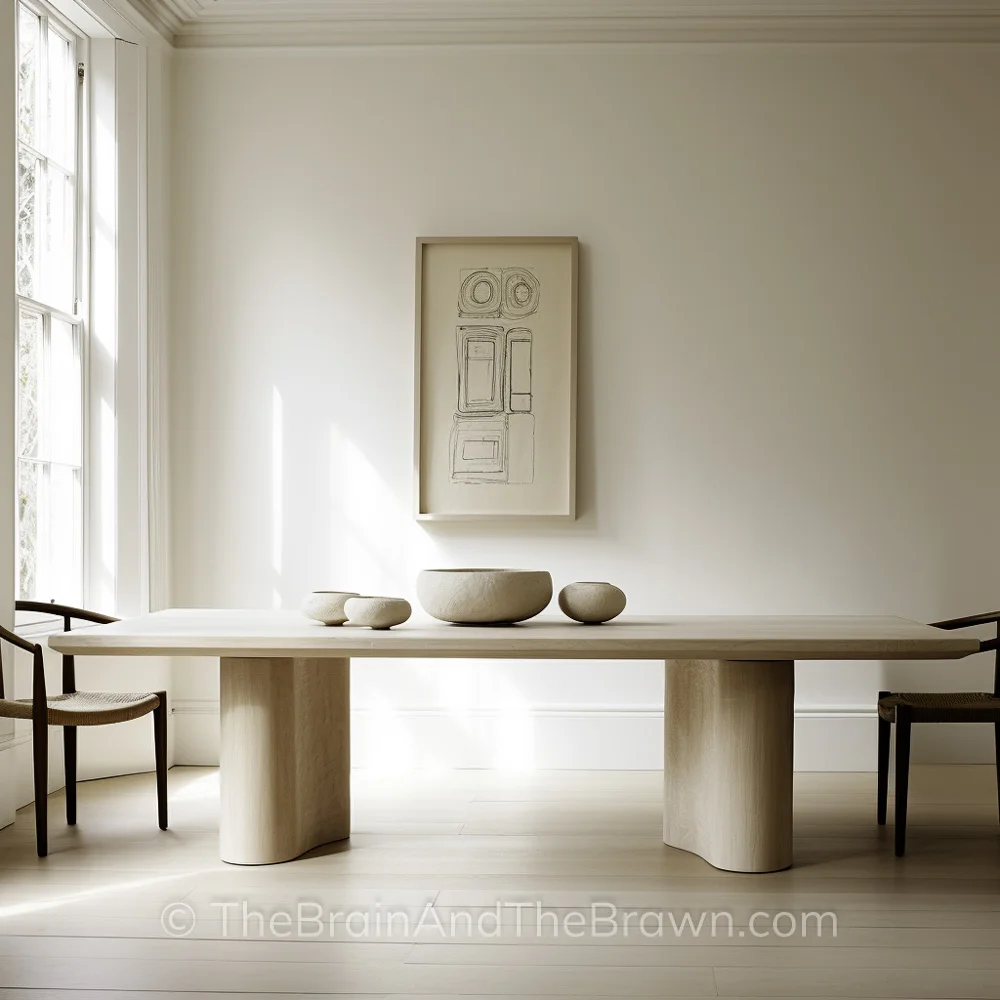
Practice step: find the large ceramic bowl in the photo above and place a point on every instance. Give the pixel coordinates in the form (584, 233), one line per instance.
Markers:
(484, 596)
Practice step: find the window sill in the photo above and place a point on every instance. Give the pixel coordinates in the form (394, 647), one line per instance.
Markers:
(39, 627)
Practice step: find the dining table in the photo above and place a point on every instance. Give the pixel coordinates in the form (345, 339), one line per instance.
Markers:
(729, 694)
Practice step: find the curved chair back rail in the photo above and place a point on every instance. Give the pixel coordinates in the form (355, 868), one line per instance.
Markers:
(68, 614)
(72, 709)
(904, 710)
(989, 618)
(65, 611)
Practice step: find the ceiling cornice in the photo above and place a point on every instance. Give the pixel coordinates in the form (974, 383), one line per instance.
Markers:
(160, 16)
(263, 23)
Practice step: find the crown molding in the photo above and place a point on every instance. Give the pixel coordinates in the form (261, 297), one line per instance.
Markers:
(161, 16)
(551, 32)
(296, 23)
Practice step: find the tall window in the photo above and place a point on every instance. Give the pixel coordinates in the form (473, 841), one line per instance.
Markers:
(50, 321)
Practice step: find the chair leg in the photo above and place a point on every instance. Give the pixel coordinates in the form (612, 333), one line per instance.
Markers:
(996, 744)
(160, 751)
(69, 759)
(902, 775)
(40, 761)
(884, 737)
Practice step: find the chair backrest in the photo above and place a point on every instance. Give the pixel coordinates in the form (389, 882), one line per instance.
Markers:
(64, 611)
(993, 618)
(994, 644)
(68, 614)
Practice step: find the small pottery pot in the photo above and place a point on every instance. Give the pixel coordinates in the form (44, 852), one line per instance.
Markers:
(377, 612)
(591, 603)
(484, 596)
(327, 606)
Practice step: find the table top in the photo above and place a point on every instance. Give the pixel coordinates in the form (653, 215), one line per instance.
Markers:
(211, 632)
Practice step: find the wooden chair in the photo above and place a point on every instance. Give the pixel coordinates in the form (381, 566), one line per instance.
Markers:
(906, 709)
(75, 708)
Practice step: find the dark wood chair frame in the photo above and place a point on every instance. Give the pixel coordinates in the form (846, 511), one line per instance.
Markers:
(39, 720)
(906, 716)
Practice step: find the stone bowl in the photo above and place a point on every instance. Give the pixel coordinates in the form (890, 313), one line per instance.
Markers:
(377, 612)
(591, 603)
(484, 596)
(327, 606)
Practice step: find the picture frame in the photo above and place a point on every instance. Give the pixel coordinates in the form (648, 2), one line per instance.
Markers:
(495, 371)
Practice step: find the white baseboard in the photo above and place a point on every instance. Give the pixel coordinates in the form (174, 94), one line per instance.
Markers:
(580, 737)
(16, 781)
(8, 780)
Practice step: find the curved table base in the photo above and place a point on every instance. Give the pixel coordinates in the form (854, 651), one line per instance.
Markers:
(285, 757)
(727, 761)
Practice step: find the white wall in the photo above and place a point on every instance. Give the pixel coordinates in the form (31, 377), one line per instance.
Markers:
(788, 356)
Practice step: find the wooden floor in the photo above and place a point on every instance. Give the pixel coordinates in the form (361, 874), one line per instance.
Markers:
(89, 921)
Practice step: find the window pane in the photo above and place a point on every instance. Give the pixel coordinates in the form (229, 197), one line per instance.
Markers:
(61, 99)
(27, 528)
(61, 575)
(28, 173)
(29, 351)
(49, 505)
(50, 370)
(64, 414)
(58, 245)
(27, 94)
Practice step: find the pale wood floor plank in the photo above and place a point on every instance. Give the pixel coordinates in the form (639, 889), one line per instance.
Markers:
(85, 922)
(721, 953)
(314, 977)
(901, 984)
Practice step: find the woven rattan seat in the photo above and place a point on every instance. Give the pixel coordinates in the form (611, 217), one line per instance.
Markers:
(85, 708)
(954, 706)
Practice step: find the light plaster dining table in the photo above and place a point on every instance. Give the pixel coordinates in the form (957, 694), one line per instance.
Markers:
(728, 710)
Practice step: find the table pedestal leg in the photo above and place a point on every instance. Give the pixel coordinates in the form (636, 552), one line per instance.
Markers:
(285, 757)
(727, 761)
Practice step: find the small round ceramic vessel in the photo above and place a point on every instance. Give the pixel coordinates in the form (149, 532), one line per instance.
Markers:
(377, 612)
(591, 603)
(327, 606)
(484, 596)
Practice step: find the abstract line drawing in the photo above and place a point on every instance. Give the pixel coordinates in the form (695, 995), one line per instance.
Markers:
(479, 293)
(518, 386)
(479, 450)
(480, 369)
(493, 430)
(519, 292)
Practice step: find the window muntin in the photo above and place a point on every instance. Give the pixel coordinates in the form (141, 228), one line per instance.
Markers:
(50, 327)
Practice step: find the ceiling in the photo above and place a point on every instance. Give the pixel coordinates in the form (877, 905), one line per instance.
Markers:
(209, 23)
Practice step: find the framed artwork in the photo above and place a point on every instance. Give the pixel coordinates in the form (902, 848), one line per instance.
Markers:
(495, 427)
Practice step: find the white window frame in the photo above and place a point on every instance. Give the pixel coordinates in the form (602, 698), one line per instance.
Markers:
(79, 317)
(123, 292)
(127, 564)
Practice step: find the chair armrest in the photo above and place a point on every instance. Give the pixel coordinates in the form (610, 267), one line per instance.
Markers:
(64, 611)
(989, 644)
(29, 647)
(18, 640)
(987, 619)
